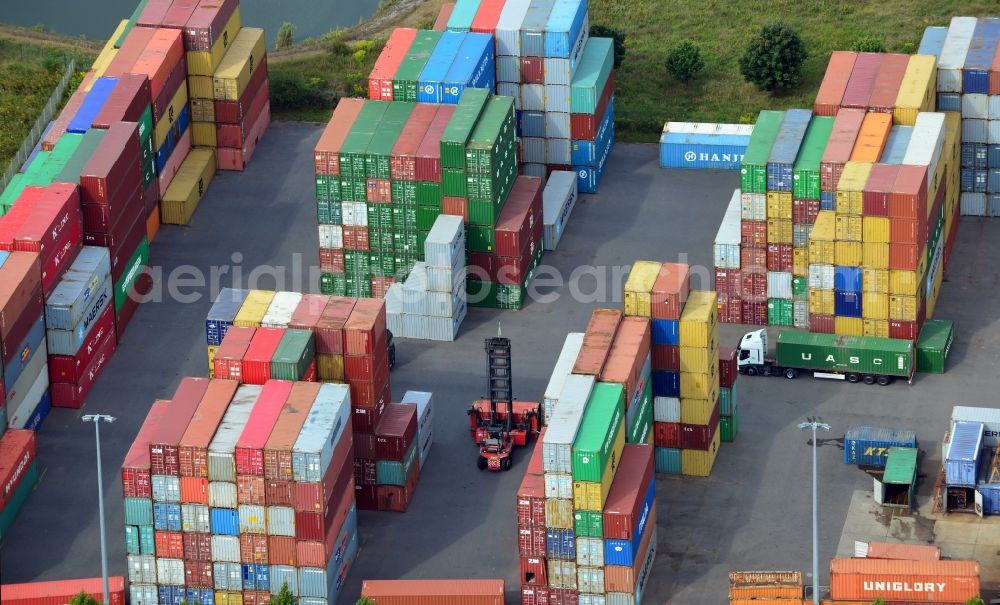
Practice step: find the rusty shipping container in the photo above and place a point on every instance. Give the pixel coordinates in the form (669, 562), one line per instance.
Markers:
(166, 436)
(597, 341)
(765, 585)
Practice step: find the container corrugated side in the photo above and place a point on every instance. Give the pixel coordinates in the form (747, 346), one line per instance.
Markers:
(564, 425)
(508, 31)
(786, 148)
(726, 248)
(753, 168)
(561, 371)
(438, 592)
(322, 429)
(953, 54)
(591, 75)
(221, 451)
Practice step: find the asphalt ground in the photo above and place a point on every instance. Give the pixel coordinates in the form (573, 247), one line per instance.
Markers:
(754, 512)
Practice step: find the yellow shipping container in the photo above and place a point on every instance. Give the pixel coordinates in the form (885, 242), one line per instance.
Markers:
(800, 261)
(200, 86)
(821, 302)
(917, 91)
(779, 204)
(228, 598)
(849, 254)
(211, 360)
(876, 229)
(696, 463)
(697, 411)
(699, 359)
(590, 495)
(822, 253)
(559, 513)
(875, 256)
(779, 231)
(903, 308)
(878, 328)
(203, 134)
(850, 188)
(170, 113)
(189, 185)
(875, 305)
(701, 386)
(244, 55)
(329, 368)
(203, 62)
(848, 326)
(106, 55)
(904, 282)
(849, 228)
(825, 227)
(699, 319)
(254, 307)
(638, 286)
(202, 110)
(875, 280)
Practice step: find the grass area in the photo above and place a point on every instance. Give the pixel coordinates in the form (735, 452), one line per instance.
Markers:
(29, 71)
(647, 97)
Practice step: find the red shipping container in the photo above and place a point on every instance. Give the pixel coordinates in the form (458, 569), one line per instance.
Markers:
(60, 592)
(364, 330)
(441, 22)
(403, 157)
(129, 52)
(908, 231)
(135, 469)
(846, 127)
(229, 356)
(437, 592)
(822, 324)
(366, 392)
(730, 308)
(366, 498)
(114, 165)
(311, 526)
(728, 282)
(754, 312)
(18, 214)
(207, 22)
(487, 16)
(229, 158)
(161, 102)
(72, 394)
(905, 330)
(255, 548)
(153, 14)
(235, 112)
(329, 330)
(880, 183)
(356, 238)
(314, 498)
(198, 574)
(257, 360)
(365, 469)
(887, 82)
(233, 134)
(388, 62)
(194, 490)
(728, 369)
(250, 490)
(481, 266)
(584, 126)
(697, 436)
(918, 581)
(197, 546)
(531, 502)
(167, 433)
(667, 434)
(429, 151)
(308, 311)
(666, 357)
(18, 449)
(69, 368)
(456, 206)
(753, 233)
(532, 70)
(169, 544)
(395, 498)
(535, 595)
(518, 217)
(280, 551)
(279, 493)
(625, 502)
(20, 296)
(250, 445)
(326, 154)
(513, 271)
(193, 448)
(805, 211)
(835, 79)
(670, 290)
(278, 449)
(396, 431)
(862, 81)
(163, 52)
(126, 102)
(53, 230)
(534, 571)
(905, 257)
(621, 578)
(628, 354)
(597, 341)
(364, 420)
(256, 597)
(754, 288)
(316, 554)
(380, 285)
(531, 542)
(112, 220)
(780, 257)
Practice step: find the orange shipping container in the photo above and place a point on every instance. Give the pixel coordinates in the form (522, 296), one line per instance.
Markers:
(326, 154)
(871, 140)
(281, 551)
(597, 341)
(887, 83)
(670, 290)
(59, 592)
(628, 353)
(169, 544)
(278, 449)
(193, 450)
(434, 592)
(932, 581)
(907, 552)
(164, 51)
(831, 91)
(765, 585)
(194, 490)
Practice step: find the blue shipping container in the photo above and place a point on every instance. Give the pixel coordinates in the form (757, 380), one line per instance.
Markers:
(933, 40)
(975, 155)
(847, 304)
(973, 181)
(979, 60)
(473, 67)
(786, 148)
(173, 137)
(224, 522)
(166, 517)
(92, 105)
(847, 279)
(38, 148)
(560, 544)
(949, 101)
(584, 152)
(623, 552)
(170, 595)
(964, 454)
(718, 150)
(429, 84)
(200, 596)
(24, 353)
(34, 422)
(665, 332)
(869, 446)
(827, 200)
(220, 317)
(533, 124)
(993, 156)
(256, 577)
(991, 497)
(564, 27)
(666, 383)
(896, 144)
(589, 177)
(993, 181)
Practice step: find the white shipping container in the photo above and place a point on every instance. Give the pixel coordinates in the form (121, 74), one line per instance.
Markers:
(330, 413)
(558, 151)
(992, 131)
(666, 409)
(994, 107)
(779, 284)
(222, 494)
(726, 250)
(558, 485)
(445, 304)
(972, 204)
(976, 131)
(590, 579)
(415, 291)
(533, 97)
(331, 236)
(425, 414)
(558, 200)
(821, 277)
(141, 569)
(508, 70)
(508, 30)
(590, 552)
(221, 463)
(20, 416)
(394, 301)
(708, 128)
(925, 146)
(557, 97)
(281, 521)
(228, 576)
(509, 89)
(562, 574)
(394, 323)
(558, 71)
(800, 313)
(195, 518)
(533, 152)
(445, 329)
(412, 326)
(226, 549)
(279, 313)
(142, 594)
(562, 369)
(253, 519)
(557, 125)
(976, 106)
(557, 445)
(990, 417)
(170, 572)
(445, 244)
(355, 214)
(753, 206)
(596, 599)
(440, 279)
(166, 488)
(953, 54)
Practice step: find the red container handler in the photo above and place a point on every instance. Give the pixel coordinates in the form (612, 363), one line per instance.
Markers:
(250, 445)
(115, 164)
(364, 330)
(329, 332)
(667, 434)
(135, 469)
(846, 127)
(699, 436)
(198, 546)
(229, 356)
(584, 126)
(326, 154)
(728, 370)
(72, 395)
(388, 62)
(166, 434)
(835, 79)
(255, 548)
(428, 163)
(234, 112)
(314, 497)
(229, 158)
(257, 360)
(278, 449)
(670, 290)
(403, 158)
(193, 447)
(18, 449)
(522, 211)
(395, 431)
(60, 592)
(69, 368)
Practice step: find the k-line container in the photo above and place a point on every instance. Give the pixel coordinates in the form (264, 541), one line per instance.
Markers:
(867, 579)
(868, 446)
(953, 54)
(165, 438)
(753, 168)
(221, 451)
(565, 422)
(704, 146)
(835, 79)
(193, 446)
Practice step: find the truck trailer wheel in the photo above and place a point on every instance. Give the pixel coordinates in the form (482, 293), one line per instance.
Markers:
(884, 380)
(853, 378)
(869, 379)
(791, 373)
(751, 371)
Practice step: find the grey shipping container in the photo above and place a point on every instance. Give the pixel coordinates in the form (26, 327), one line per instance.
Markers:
(509, 89)
(558, 201)
(221, 451)
(195, 518)
(949, 101)
(222, 494)
(508, 30)
(220, 317)
(66, 306)
(533, 124)
(533, 150)
(557, 125)
(166, 488)
(281, 521)
(533, 97)
(786, 149)
(330, 413)
(68, 341)
(557, 98)
(226, 549)
(141, 569)
(508, 69)
(533, 28)
(228, 576)
(558, 151)
(280, 574)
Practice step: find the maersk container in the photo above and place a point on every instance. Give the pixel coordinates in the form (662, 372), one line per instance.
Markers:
(869, 446)
(704, 146)
(430, 87)
(953, 54)
(508, 31)
(896, 144)
(603, 421)
(847, 354)
(77, 289)
(786, 149)
(533, 28)
(726, 249)
(753, 168)
(557, 444)
(933, 40)
(965, 453)
(463, 15)
(805, 173)
(591, 75)
(566, 21)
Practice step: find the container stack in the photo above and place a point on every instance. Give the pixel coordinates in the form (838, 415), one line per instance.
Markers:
(558, 200)
(965, 455)
(232, 491)
(901, 580)
(729, 421)
(387, 461)
(18, 472)
(431, 303)
(770, 586)
(425, 422)
(989, 478)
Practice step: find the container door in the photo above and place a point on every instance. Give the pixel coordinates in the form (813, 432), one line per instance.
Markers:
(979, 502)
(879, 492)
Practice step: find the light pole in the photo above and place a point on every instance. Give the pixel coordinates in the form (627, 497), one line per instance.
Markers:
(96, 419)
(814, 424)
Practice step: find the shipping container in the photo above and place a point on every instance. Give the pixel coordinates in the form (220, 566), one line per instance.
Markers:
(434, 592)
(953, 54)
(317, 440)
(707, 146)
(564, 424)
(881, 356)
(806, 172)
(965, 453)
(869, 447)
(598, 444)
(221, 451)
(233, 74)
(381, 76)
(60, 592)
(753, 168)
(843, 137)
(835, 80)
(866, 579)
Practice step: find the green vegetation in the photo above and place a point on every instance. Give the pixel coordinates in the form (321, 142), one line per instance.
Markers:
(603, 31)
(285, 37)
(684, 61)
(773, 58)
(83, 599)
(868, 44)
(284, 596)
(366, 601)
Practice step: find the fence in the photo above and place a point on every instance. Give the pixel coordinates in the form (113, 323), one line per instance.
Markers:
(36, 131)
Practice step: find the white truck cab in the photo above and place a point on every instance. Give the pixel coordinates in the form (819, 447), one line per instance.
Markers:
(753, 349)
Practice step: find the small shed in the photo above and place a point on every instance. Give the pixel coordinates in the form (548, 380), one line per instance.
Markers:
(898, 486)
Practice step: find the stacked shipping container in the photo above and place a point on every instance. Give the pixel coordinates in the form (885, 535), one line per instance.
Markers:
(704, 146)
(558, 200)
(959, 467)
(18, 473)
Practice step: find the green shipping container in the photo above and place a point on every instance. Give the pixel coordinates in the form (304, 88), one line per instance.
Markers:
(934, 344)
(405, 242)
(383, 263)
(140, 258)
(753, 169)
(334, 284)
(479, 238)
(329, 213)
(391, 472)
(138, 511)
(352, 152)
(642, 420)
(805, 175)
(461, 126)
(800, 287)
(484, 212)
(359, 289)
(379, 240)
(131, 22)
(491, 138)
(384, 139)
(429, 194)
(426, 215)
(404, 83)
(588, 524)
(328, 188)
(453, 183)
(139, 540)
(727, 400)
(861, 354)
(729, 426)
(668, 460)
(18, 498)
(779, 312)
(11, 193)
(296, 351)
(84, 151)
(591, 75)
(602, 422)
(404, 192)
(404, 218)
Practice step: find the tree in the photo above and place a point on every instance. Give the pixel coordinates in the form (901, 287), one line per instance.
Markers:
(286, 36)
(975, 601)
(366, 601)
(684, 61)
(868, 44)
(83, 599)
(878, 601)
(284, 596)
(603, 31)
(773, 59)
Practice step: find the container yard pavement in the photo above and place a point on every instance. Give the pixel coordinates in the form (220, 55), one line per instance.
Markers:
(752, 513)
